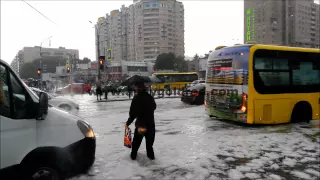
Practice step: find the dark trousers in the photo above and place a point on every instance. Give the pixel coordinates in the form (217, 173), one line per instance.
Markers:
(137, 139)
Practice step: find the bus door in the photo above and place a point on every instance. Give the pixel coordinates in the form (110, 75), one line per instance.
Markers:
(270, 106)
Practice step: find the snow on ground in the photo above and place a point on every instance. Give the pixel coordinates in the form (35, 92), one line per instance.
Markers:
(190, 145)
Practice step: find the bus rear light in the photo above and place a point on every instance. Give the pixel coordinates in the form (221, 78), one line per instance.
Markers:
(244, 104)
(243, 109)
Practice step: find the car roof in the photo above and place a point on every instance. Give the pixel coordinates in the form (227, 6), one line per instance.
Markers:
(197, 86)
(4, 62)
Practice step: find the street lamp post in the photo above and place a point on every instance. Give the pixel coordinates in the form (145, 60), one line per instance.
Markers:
(98, 49)
(41, 60)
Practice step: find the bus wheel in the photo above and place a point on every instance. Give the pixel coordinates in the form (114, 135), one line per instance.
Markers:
(302, 112)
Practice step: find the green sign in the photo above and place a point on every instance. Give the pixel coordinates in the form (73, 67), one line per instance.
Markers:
(250, 31)
(67, 61)
(109, 54)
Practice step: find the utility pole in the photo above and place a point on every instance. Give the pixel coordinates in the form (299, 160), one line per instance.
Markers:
(98, 52)
(41, 61)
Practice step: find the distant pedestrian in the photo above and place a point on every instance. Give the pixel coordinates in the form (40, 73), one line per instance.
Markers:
(142, 107)
(129, 89)
(98, 90)
(106, 91)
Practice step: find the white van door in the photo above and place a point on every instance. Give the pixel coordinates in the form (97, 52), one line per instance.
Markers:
(18, 130)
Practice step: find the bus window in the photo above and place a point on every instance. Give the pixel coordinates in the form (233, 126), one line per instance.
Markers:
(305, 73)
(168, 78)
(175, 78)
(161, 77)
(191, 77)
(274, 71)
(277, 72)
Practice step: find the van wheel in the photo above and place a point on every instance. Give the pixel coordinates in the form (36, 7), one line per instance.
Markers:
(302, 112)
(42, 170)
(46, 173)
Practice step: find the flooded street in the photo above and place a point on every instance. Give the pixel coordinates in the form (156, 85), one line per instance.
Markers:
(190, 145)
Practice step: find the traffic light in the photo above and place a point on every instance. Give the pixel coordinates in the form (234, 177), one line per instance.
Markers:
(68, 69)
(39, 72)
(101, 62)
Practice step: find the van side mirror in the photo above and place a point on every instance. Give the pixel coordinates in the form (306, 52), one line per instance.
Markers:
(42, 106)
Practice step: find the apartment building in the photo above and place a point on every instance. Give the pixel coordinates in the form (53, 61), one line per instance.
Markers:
(29, 54)
(142, 31)
(17, 61)
(287, 22)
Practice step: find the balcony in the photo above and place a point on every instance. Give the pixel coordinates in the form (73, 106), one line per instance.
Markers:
(149, 35)
(150, 17)
(151, 25)
(153, 10)
(147, 14)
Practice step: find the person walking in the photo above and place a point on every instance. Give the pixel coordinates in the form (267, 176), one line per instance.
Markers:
(98, 90)
(142, 109)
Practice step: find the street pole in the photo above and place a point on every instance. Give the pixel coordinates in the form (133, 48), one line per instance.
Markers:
(40, 67)
(70, 74)
(98, 53)
(41, 61)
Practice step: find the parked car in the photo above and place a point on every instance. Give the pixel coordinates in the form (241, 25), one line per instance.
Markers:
(59, 102)
(196, 82)
(38, 140)
(194, 94)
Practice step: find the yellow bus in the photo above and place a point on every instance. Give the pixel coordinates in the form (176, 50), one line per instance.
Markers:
(263, 84)
(174, 79)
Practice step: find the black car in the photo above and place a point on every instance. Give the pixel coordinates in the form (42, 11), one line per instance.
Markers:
(194, 94)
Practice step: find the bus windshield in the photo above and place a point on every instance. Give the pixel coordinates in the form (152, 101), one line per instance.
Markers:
(228, 66)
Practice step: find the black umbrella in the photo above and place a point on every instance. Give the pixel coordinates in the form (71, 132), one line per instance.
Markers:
(130, 81)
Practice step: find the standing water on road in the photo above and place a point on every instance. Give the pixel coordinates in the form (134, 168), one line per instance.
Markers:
(190, 145)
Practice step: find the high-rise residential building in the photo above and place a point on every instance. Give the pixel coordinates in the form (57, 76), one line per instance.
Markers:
(29, 54)
(286, 22)
(142, 31)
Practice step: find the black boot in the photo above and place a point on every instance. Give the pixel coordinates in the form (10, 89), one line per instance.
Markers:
(151, 157)
(133, 156)
(150, 154)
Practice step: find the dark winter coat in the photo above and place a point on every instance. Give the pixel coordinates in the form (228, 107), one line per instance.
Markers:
(142, 107)
(99, 90)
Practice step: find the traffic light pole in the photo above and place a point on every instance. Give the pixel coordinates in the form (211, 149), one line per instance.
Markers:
(40, 67)
(98, 52)
(41, 62)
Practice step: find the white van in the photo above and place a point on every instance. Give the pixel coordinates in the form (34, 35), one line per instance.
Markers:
(37, 139)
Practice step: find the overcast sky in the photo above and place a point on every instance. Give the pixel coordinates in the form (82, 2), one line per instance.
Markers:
(207, 24)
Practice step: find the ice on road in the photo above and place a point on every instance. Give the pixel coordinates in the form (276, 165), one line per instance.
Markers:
(190, 145)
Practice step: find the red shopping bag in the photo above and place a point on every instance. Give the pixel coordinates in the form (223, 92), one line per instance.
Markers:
(127, 138)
